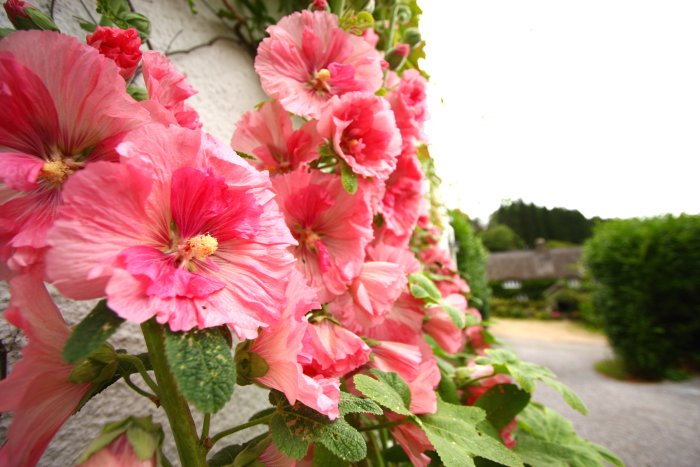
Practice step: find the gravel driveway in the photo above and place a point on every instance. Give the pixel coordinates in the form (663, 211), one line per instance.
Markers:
(646, 424)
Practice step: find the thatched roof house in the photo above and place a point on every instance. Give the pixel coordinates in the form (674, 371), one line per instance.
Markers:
(541, 263)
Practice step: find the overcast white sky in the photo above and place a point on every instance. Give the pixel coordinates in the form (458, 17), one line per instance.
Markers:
(591, 105)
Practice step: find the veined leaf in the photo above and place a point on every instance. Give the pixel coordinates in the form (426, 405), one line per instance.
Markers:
(502, 403)
(91, 333)
(350, 403)
(386, 389)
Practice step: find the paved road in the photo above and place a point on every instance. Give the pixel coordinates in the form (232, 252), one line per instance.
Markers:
(646, 424)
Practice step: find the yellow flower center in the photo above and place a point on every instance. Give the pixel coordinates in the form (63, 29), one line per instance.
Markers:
(321, 80)
(202, 246)
(55, 172)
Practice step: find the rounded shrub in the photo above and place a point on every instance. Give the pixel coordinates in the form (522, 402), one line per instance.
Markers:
(646, 275)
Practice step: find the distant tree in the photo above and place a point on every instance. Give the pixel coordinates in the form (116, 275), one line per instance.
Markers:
(531, 222)
(500, 237)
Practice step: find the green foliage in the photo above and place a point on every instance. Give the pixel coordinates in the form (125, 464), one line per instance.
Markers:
(527, 374)
(295, 427)
(89, 335)
(387, 389)
(203, 367)
(144, 436)
(547, 439)
(531, 222)
(647, 290)
(502, 403)
(348, 178)
(472, 258)
(453, 432)
(118, 13)
(500, 237)
(422, 287)
(350, 403)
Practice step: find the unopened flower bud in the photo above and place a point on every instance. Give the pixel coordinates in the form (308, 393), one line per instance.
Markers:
(249, 365)
(99, 366)
(397, 56)
(24, 15)
(412, 36)
(319, 5)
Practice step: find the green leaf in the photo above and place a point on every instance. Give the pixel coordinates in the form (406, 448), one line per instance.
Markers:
(453, 313)
(89, 335)
(447, 388)
(348, 178)
(294, 428)
(202, 365)
(502, 403)
(527, 374)
(137, 92)
(546, 438)
(340, 438)
(388, 390)
(41, 20)
(324, 458)
(422, 282)
(4, 32)
(226, 456)
(453, 432)
(350, 403)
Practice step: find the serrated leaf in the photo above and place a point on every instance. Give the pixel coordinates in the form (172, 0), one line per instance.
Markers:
(384, 393)
(421, 280)
(203, 367)
(526, 374)
(502, 403)
(452, 430)
(294, 428)
(93, 331)
(290, 438)
(343, 440)
(547, 438)
(350, 403)
(348, 178)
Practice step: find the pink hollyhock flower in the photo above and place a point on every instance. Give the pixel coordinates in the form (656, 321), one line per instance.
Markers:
(409, 103)
(412, 440)
(475, 338)
(371, 37)
(183, 230)
(441, 327)
(50, 130)
(319, 5)
(38, 390)
(334, 350)
(167, 92)
(403, 323)
(118, 453)
(506, 433)
(121, 45)
(272, 457)
(308, 58)
(331, 226)
(400, 205)
(267, 134)
(363, 132)
(403, 359)
(281, 346)
(370, 296)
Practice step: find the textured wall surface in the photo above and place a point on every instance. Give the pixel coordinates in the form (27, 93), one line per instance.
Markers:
(223, 74)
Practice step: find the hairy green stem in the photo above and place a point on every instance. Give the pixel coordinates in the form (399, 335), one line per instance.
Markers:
(205, 428)
(138, 364)
(238, 428)
(184, 431)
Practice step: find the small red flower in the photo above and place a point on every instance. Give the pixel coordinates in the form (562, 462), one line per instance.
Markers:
(121, 45)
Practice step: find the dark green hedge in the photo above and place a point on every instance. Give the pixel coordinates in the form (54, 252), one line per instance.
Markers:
(646, 276)
(471, 261)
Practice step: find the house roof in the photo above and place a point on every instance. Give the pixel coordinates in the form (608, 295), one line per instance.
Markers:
(534, 264)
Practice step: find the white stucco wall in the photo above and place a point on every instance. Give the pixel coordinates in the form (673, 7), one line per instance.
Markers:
(223, 74)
